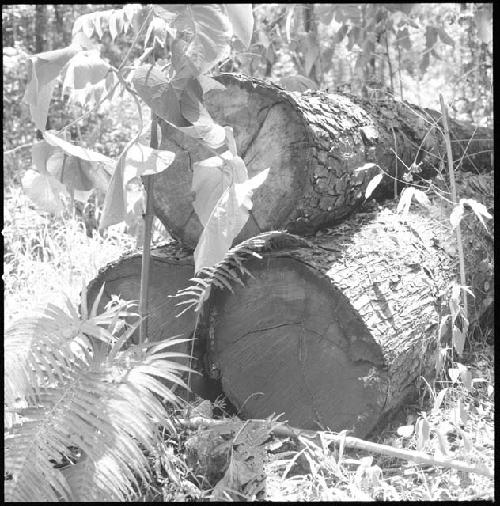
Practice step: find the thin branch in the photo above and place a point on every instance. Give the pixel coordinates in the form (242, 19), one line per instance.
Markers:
(454, 198)
(146, 247)
(18, 148)
(283, 430)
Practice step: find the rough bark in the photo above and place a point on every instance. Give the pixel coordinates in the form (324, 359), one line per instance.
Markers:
(336, 334)
(313, 143)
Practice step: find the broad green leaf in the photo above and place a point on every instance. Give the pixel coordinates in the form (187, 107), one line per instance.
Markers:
(45, 191)
(157, 29)
(141, 160)
(479, 209)
(421, 197)
(458, 339)
(115, 202)
(179, 102)
(209, 32)
(225, 222)
(405, 201)
(203, 127)
(191, 95)
(241, 18)
(85, 24)
(159, 94)
(41, 152)
(211, 177)
(373, 184)
(445, 37)
(82, 196)
(457, 215)
(86, 67)
(207, 83)
(431, 34)
(72, 173)
(78, 151)
(43, 70)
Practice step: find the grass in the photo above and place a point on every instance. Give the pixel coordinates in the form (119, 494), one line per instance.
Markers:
(44, 257)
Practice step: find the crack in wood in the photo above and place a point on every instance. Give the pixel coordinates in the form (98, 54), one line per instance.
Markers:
(261, 125)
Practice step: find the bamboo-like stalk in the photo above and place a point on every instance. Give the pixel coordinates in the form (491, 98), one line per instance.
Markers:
(146, 248)
(454, 198)
(283, 430)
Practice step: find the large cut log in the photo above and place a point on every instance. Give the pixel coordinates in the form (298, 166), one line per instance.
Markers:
(313, 143)
(171, 268)
(336, 333)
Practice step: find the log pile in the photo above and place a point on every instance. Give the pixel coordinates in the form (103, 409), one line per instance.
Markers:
(313, 143)
(336, 330)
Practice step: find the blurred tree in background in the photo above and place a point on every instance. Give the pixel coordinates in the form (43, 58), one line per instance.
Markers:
(410, 51)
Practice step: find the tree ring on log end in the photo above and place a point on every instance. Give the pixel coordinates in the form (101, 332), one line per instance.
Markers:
(287, 343)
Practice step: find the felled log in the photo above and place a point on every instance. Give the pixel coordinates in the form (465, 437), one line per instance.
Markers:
(313, 143)
(170, 270)
(335, 334)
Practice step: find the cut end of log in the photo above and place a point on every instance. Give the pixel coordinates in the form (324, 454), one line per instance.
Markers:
(283, 345)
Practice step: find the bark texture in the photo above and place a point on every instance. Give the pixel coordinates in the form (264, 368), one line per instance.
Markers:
(335, 334)
(313, 143)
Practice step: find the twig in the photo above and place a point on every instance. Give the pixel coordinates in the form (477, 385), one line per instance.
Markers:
(396, 168)
(454, 199)
(283, 430)
(18, 148)
(146, 247)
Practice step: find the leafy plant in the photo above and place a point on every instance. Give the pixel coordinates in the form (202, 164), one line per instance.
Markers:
(71, 384)
(199, 37)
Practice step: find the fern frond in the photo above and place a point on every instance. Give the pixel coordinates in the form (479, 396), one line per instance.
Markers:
(109, 406)
(39, 350)
(231, 268)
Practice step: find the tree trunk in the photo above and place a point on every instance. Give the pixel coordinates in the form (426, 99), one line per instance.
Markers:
(313, 144)
(64, 35)
(337, 333)
(40, 27)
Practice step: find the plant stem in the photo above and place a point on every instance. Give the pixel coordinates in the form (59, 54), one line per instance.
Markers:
(146, 247)
(453, 186)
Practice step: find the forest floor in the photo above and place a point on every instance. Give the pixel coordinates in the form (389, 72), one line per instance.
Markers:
(44, 258)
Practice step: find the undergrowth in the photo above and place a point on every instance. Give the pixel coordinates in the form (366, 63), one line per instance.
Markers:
(45, 257)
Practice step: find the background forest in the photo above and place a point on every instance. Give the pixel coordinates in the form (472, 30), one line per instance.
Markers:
(412, 52)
